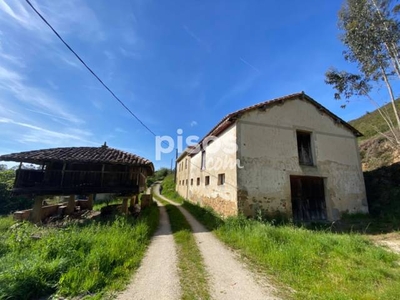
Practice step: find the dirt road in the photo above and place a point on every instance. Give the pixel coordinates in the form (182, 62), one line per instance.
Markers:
(157, 278)
(229, 277)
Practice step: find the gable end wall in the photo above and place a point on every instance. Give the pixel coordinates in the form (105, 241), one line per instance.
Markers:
(268, 151)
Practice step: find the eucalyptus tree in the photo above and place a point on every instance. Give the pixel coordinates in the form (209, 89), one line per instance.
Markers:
(371, 35)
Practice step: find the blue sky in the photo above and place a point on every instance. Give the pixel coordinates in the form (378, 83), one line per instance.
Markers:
(178, 64)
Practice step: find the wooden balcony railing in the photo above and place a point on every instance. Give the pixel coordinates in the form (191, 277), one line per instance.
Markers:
(76, 180)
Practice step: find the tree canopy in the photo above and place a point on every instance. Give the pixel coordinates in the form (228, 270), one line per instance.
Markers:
(371, 35)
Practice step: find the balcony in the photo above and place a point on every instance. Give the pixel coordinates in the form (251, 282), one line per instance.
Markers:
(75, 182)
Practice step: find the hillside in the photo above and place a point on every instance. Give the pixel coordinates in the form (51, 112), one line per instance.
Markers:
(371, 121)
(375, 150)
(381, 166)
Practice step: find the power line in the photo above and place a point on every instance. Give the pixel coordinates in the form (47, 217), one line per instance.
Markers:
(88, 68)
(103, 84)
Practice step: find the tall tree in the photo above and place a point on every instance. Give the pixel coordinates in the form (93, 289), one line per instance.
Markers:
(371, 34)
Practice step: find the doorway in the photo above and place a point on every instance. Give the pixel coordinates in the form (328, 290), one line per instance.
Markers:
(308, 198)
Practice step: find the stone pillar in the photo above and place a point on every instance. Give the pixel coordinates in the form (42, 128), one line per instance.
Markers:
(90, 201)
(37, 212)
(125, 205)
(71, 205)
(133, 201)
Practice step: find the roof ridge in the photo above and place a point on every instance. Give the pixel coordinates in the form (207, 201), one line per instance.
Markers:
(232, 117)
(80, 154)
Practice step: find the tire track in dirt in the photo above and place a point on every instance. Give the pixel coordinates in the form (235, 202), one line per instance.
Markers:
(229, 278)
(157, 277)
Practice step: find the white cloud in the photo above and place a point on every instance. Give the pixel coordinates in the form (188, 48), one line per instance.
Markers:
(14, 84)
(109, 55)
(120, 130)
(193, 123)
(39, 135)
(71, 16)
(12, 59)
(129, 54)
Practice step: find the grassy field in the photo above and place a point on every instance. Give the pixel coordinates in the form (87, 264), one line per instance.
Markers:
(93, 258)
(193, 276)
(314, 264)
(370, 122)
(168, 189)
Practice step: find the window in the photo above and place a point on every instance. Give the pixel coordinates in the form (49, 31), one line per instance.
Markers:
(207, 180)
(198, 180)
(186, 182)
(179, 182)
(221, 179)
(203, 160)
(304, 148)
(191, 181)
(186, 161)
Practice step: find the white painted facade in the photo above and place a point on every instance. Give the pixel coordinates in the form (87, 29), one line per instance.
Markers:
(267, 149)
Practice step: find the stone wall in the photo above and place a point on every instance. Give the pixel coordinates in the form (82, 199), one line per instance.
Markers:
(268, 151)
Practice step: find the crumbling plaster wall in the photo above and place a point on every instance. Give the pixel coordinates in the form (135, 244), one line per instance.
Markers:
(268, 151)
(220, 159)
(183, 167)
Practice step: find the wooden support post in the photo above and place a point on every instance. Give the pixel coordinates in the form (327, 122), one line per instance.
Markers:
(62, 174)
(37, 211)
(71, 205)
(102, 175)
(133, 201)
(90, 202)
(125, 205)
(16, 179)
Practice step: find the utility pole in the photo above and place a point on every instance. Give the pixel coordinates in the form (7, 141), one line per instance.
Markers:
(176, 166)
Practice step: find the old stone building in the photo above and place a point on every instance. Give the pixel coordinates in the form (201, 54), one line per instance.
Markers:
(287, 156)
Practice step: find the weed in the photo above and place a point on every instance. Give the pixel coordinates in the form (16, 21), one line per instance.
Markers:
(76, 260)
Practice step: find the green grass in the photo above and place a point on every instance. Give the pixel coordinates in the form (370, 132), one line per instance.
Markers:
(314, 264)
(368, 123)
(93, 258)
(99, 205)
(192, 273)
(168, 189)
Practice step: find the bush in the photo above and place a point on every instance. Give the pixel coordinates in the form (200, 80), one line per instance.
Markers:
(8, 202)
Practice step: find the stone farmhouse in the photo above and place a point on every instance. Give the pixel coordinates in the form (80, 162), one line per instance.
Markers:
(288, 156)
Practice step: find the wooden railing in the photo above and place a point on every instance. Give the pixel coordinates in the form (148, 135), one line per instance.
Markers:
(72, 179)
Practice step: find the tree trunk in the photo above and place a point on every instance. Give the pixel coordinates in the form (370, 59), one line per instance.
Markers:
(392, 98)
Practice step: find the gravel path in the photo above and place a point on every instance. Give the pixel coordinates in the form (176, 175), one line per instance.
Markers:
(229, 278)
(389, 240)
(157, 277)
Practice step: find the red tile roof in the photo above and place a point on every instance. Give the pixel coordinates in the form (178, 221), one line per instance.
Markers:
(98, 155)
(232, 117)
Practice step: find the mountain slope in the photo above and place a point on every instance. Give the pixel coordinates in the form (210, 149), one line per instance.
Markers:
(372, 122)
(375, 150)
